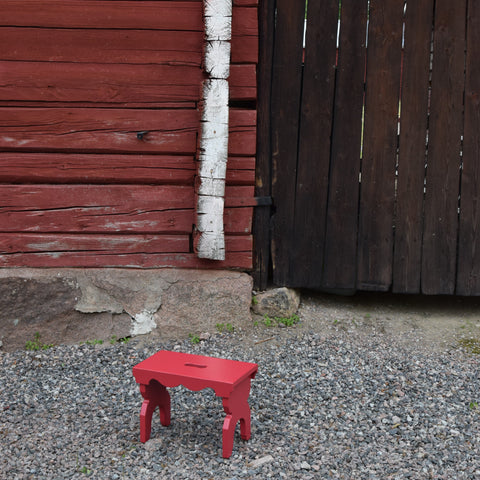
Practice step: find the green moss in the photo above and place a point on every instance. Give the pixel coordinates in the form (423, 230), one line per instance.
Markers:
(471, 345)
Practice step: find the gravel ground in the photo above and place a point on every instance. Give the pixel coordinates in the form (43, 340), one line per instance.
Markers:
(326, 403)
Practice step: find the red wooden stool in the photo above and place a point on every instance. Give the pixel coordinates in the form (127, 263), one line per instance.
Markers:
(229, 379)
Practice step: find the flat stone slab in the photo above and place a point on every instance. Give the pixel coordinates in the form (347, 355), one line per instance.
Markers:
(72, 305)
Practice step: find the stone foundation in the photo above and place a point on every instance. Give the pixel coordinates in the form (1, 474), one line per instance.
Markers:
(73, 305)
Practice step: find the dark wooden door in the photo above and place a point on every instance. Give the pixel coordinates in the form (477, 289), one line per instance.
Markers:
(374, 152)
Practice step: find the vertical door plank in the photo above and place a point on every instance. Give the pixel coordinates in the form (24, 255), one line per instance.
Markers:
(412, 148)
(340, 269)
(286, 91)
(468, 281)
(314, 142)
(263, 174)
(375, 243)
(445, 130)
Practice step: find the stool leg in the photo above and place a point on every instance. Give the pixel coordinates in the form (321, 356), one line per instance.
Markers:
(236, 407)
(155, 395)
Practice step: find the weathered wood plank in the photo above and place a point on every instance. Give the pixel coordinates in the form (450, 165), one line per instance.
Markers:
(116, 84)
(245, 3)
(263, 174)
(61, 244)
(242, 132)
(239, 196)
(98, 130)
(103, 46)
(238, 220)
(96, 209)
(110, 15)
(243, 82)
(91, 168)
(112, 209)
(340, 258)
(240, 260)
(316, 117)
(245, 21)
(168, 105)
(244, 48)
(108, 83)
(286, 95)
(89, 14)
(412, 152)
(111, 130)
(375, 237)
(106, 169)
(439, 252)
(468, 271)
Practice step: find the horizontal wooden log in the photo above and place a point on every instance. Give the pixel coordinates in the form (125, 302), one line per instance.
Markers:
(102, 46)
(244, 49)
(96, 209)
(240, 260)
(116, 84)
(113, 244)
(243, 82)
(245, 21)
(112, 209)
(98, 130)
(91, 168)
(239, 196)
(170, 105)
(243, 132)
(111, 130)
(116, 46)
(108, 83)
(238, 220)
(107, 169)
(144, 15)
(109, 14)
(245, 3)
(11, 243)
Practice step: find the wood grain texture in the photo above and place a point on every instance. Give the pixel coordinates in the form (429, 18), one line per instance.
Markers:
(263, 172)
(376, 217)
(243, 82)
(242, 138)
(62, 244)
(96, 169)
(103, 83)
(131, 47)
(113, 209)
(439, 252)
(114, 84)
(316, 117)
(96, 209)
(412, 148)
(340, 258)
(286, 96)
(78, 81)
(468, 271)
(181, 16)
(106, 169)
(239, 260)
(98, 130)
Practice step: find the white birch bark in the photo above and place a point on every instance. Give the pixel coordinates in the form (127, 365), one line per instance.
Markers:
(213, 151)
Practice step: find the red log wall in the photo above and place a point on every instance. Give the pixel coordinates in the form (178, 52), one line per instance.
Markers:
(79, 80)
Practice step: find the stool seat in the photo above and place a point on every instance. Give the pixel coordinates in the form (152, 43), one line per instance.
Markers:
(230, 379)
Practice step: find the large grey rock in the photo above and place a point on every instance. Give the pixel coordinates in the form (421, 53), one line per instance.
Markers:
(279, 302)
(72, 305)
(198, 300)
